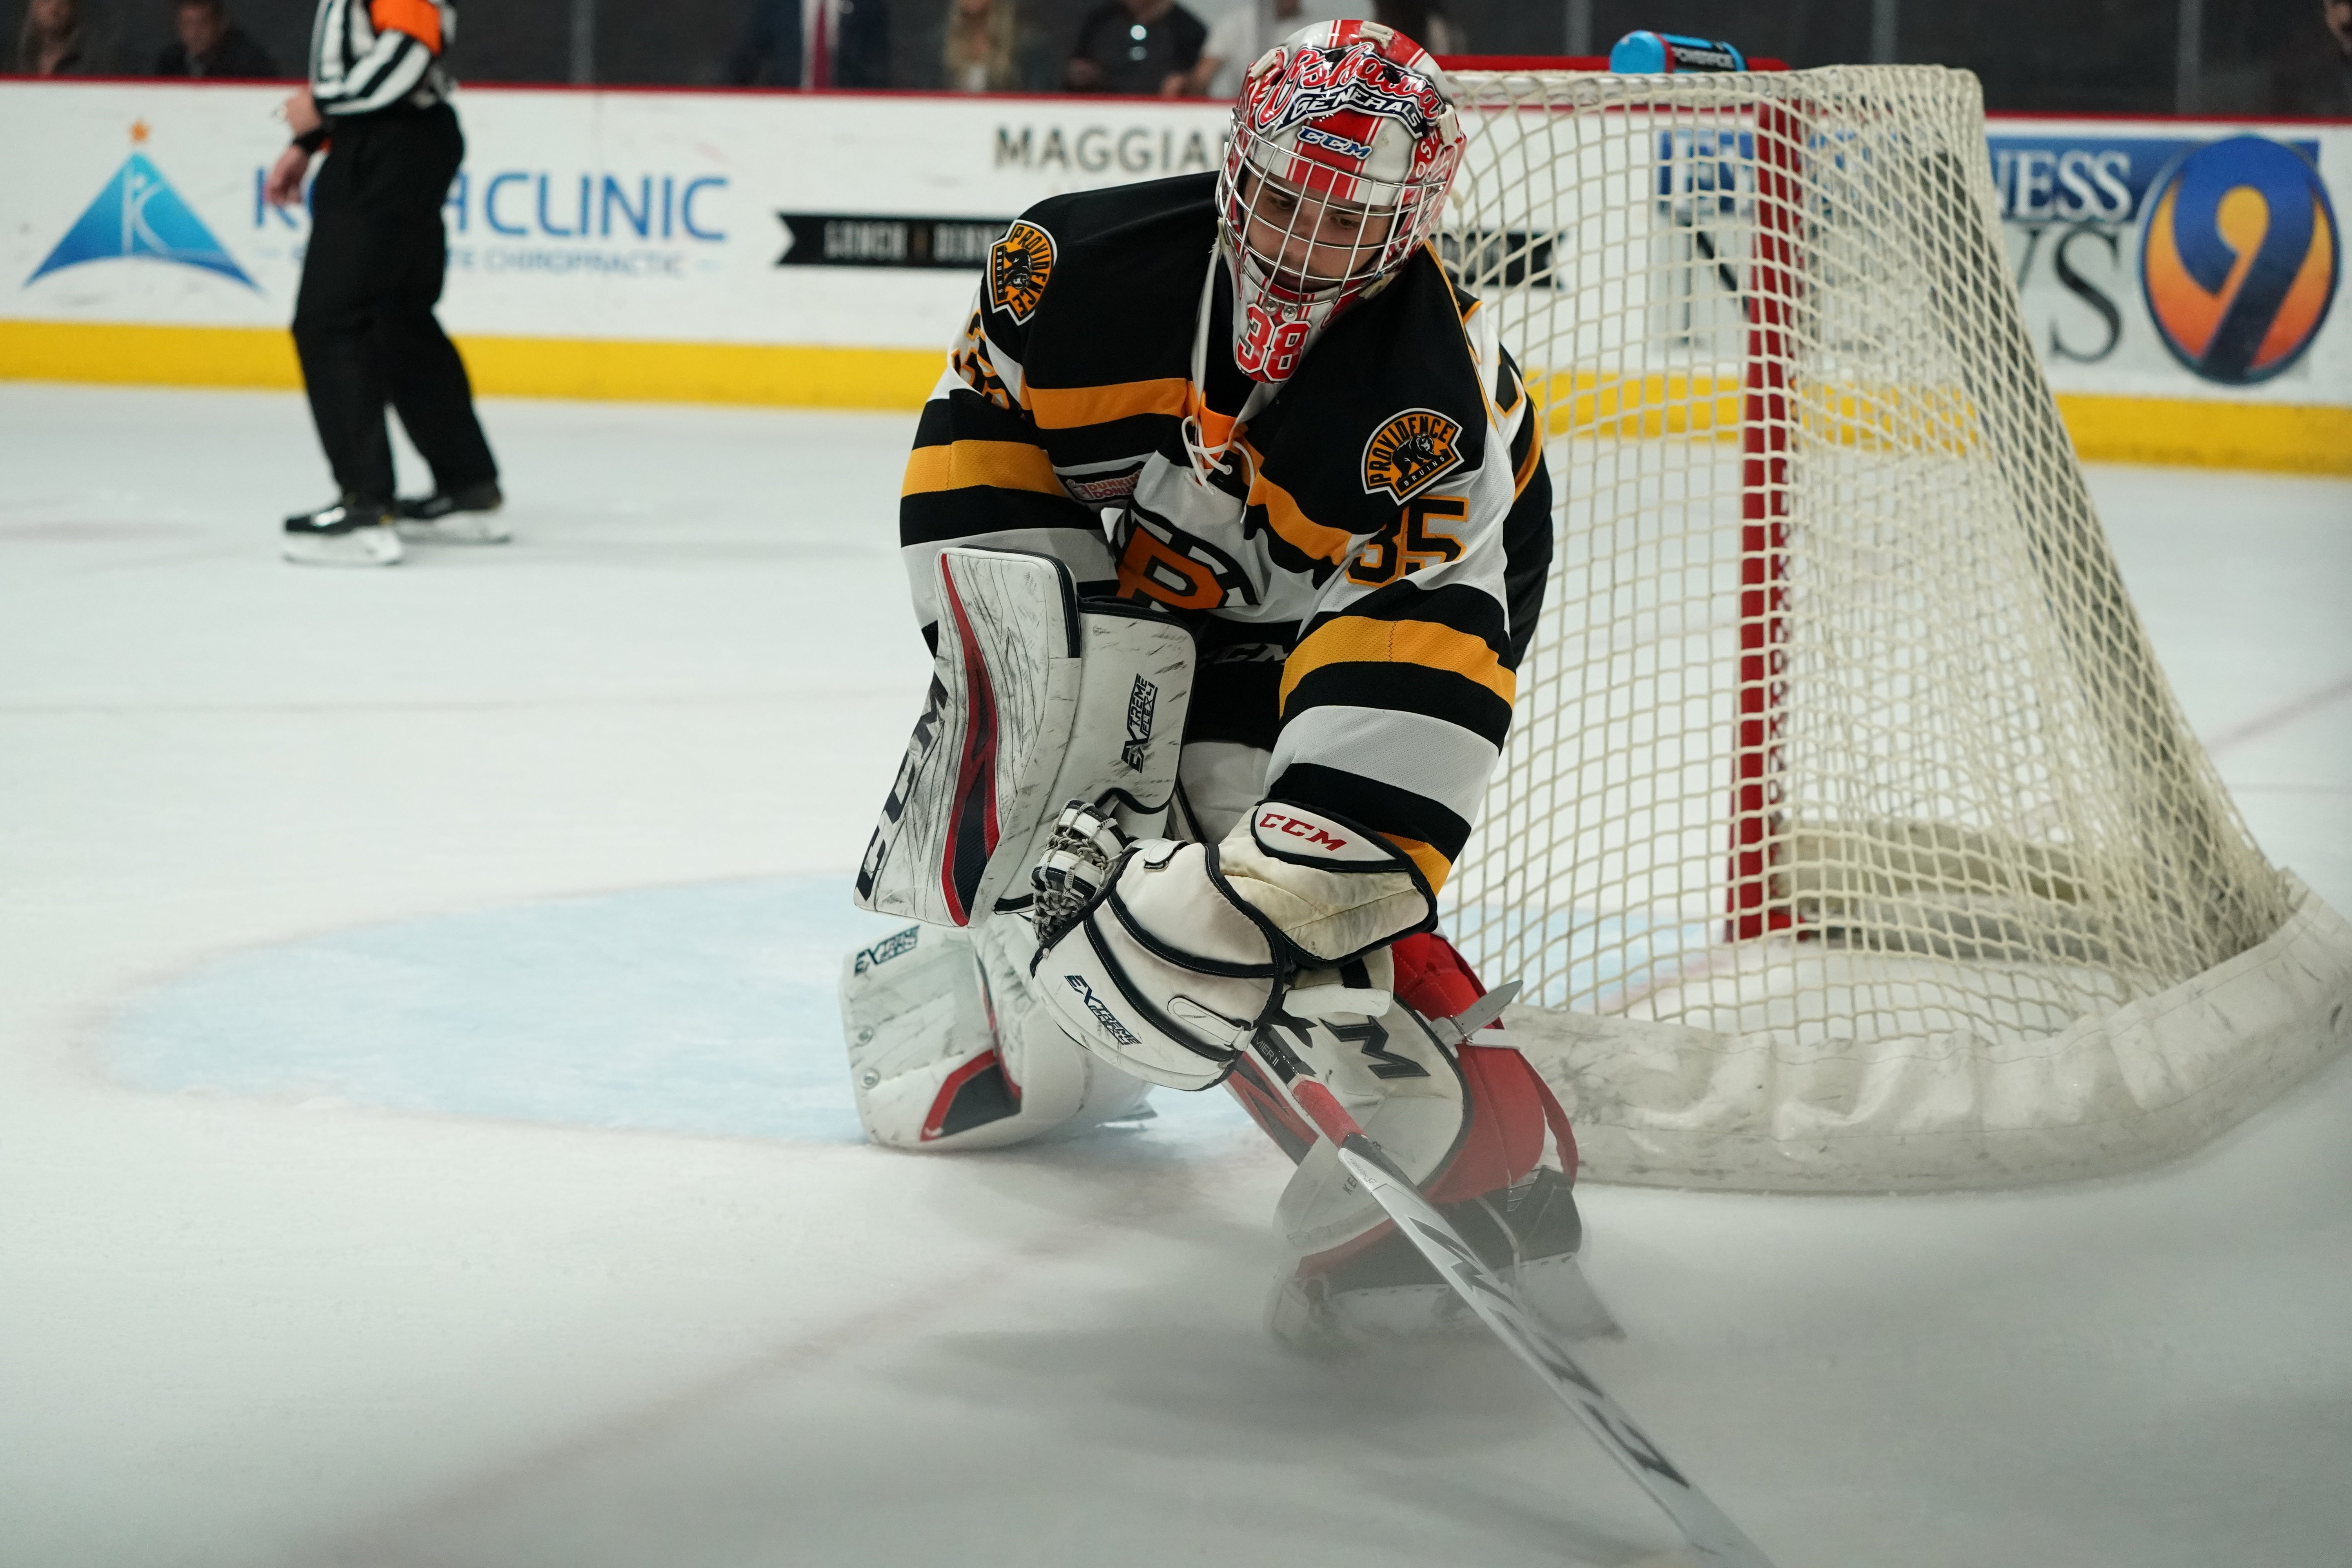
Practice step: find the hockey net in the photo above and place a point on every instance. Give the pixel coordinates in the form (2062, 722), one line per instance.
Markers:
(1848, 835)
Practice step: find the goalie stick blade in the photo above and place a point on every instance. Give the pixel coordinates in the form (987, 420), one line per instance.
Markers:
(1484, 1011)
(1715, 1541)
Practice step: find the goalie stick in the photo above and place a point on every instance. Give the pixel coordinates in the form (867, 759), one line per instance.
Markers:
(1713, 1538)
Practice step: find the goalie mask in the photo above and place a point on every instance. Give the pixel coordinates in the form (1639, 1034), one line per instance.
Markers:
(1344, 141)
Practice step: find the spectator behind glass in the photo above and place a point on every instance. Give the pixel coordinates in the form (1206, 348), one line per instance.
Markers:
(211, 45)
(1425, 22)
(1142, 47)
(775, 47)
(982, 48)
(51, 42)
(1251, 28)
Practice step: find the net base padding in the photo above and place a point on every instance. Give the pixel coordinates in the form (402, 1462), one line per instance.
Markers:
(1662, 1104)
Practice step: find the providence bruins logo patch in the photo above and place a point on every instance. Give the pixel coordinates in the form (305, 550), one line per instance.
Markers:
(1019, 267)
(1409, 453)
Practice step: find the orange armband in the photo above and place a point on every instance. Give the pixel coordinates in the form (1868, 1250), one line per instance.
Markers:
(420, 19)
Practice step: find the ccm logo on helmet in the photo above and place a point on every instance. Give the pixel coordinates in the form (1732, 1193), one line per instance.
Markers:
(1290, 826)
(1320, 137)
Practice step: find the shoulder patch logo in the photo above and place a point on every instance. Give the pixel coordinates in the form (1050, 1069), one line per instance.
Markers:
(1409, 453)
(1019, 267)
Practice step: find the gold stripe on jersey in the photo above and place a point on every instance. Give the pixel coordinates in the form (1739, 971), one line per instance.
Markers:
(1074, 408)
(1495, 411)
(1434, 867)
(1290, 522)
(1360, 639)
(1216, 427)
(962, 465)
(1535, 455)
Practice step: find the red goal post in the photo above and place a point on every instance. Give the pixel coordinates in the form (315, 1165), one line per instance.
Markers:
(1750, 910)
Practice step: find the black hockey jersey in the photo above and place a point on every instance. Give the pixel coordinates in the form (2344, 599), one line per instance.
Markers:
(1365, 570)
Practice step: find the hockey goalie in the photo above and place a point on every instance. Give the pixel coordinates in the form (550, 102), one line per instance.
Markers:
(1228, 526)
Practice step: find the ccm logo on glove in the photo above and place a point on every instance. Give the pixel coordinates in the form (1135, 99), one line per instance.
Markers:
(1316, 837)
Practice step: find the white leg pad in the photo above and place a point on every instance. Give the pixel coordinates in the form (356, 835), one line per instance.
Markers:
(1034, 701)
(948, 1050)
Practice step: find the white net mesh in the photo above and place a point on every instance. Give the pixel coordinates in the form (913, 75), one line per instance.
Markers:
(1840, 747)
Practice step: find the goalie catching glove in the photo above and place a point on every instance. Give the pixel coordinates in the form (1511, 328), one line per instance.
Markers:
(1163, 957)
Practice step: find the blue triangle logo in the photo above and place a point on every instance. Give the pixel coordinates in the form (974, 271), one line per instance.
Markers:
(140, 214)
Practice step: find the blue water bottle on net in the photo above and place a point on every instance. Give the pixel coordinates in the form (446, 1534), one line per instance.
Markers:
(1640, 52)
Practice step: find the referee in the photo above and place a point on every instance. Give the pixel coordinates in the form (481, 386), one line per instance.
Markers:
(378, 102)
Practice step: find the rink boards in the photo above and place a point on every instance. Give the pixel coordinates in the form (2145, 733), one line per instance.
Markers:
(821, 250)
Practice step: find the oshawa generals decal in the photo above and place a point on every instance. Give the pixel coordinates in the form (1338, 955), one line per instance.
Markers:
(1319, 82)
(1019, 267)
(1409, 453)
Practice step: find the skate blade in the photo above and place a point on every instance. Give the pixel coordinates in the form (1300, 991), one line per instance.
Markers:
(1576, 1311)
(479, 527)
(345, 550)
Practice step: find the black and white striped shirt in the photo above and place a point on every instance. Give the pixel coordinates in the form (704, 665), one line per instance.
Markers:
(370, 55)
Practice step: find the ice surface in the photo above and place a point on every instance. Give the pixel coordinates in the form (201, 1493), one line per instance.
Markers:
(363, 932)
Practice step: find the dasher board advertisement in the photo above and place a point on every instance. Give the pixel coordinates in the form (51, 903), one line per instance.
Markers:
(2187, 261)
(2180, 259)
(707, 216)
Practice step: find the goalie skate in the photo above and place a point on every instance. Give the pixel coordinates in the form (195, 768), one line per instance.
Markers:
(1500, 1167)
(1387, 1292)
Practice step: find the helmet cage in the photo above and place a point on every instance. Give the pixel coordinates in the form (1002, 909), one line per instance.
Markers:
(1269, 189)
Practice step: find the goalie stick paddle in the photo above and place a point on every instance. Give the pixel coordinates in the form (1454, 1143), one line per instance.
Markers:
(1715, 1540)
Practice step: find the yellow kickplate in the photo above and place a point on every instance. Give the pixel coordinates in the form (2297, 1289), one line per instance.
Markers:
(2292, 437)
(792, 374)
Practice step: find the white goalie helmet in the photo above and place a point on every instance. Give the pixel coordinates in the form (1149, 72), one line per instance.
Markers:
(1344, 144)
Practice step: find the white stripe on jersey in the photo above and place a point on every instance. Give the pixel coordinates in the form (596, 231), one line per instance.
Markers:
(1430, 757)
(1221, 780)
(355, 69)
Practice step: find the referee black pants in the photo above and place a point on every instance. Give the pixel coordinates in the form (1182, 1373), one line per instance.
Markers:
(363, 323)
